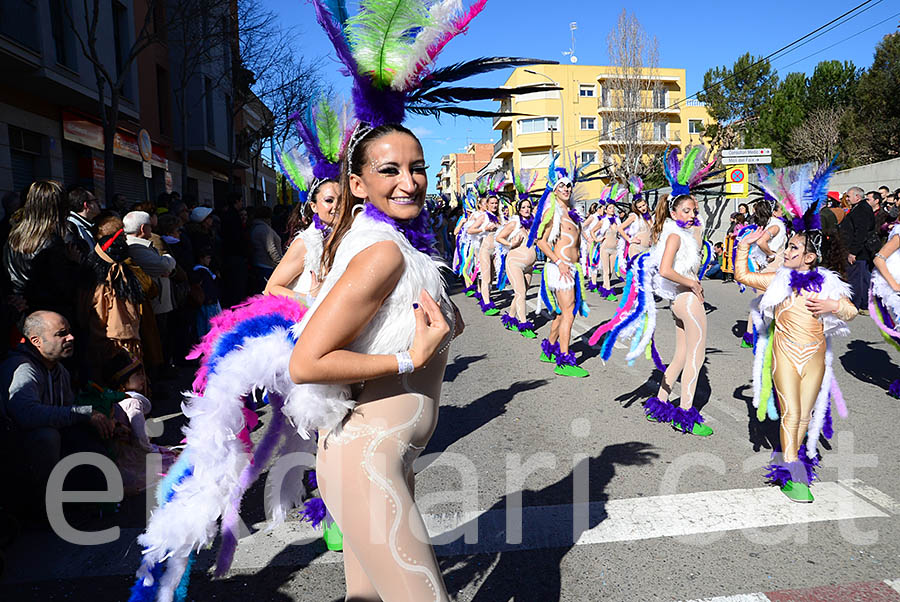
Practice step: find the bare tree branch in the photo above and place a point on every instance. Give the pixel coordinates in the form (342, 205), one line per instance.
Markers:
(818, 138)
(633, 93)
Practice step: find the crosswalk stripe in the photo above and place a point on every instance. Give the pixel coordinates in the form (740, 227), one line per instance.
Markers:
(687, 514)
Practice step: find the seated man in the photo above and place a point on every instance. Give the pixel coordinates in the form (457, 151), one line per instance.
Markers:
(36, 397)
(714, 271)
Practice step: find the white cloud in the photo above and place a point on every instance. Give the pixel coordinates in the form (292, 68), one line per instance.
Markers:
(421, 132)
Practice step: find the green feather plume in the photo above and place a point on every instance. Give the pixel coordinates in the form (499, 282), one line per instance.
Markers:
(687, 165)
(328, 129)
(381, 36)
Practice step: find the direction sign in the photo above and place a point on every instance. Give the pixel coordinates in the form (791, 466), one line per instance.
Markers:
(747, 152)
(746, 160)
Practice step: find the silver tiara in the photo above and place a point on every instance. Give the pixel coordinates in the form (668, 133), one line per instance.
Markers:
(361, 130)
(814, 238)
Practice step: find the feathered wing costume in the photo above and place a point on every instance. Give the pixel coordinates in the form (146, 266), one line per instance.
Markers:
(547, 214)
(389, 50)
(884, 304)
(801, 193)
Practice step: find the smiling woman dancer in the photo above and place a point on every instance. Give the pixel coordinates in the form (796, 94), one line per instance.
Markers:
(803, 306)
(520, 258)
(364, 465)
(381, 306)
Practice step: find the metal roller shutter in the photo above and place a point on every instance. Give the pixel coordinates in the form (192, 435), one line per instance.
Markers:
(22, 169)
(129, 180)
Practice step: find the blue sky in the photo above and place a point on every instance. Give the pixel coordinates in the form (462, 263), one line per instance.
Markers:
(715, 35)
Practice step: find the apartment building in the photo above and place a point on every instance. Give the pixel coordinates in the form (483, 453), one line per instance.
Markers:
(459, 170)
(49, 110)
(598, 116)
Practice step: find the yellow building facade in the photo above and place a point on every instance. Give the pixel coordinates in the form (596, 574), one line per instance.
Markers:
(589, 121)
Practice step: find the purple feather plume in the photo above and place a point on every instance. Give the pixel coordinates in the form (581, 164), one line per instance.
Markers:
(827, 427)
(312, 480)
(657, 361)
(314, 511)
(894, 389)
(686, 420)
(662, 411)
(566, 359)
(550, 349)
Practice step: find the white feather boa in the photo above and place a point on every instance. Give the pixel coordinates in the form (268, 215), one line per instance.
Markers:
(762, 310)
(189, 521)
(687, 258)
(880, 286)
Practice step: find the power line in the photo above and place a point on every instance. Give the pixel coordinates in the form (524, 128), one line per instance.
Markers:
(784, 50)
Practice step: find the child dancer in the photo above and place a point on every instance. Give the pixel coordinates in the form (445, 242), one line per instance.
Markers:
(804, 305)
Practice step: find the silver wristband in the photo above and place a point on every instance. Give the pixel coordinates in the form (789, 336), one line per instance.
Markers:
(404, 363)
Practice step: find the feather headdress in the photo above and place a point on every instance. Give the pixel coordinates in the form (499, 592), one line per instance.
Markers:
(801, 193)
(524, 182)
(686, 174)
(613, 193)
(296, 169)
(324, 128)
(389, 50)
(635, 187)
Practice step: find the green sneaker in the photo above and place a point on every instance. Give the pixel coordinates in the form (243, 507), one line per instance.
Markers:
(547, 360)
(612, 298)
(511, 327)
(700, 429)
(469, 293)
(528, 334)
(334, 539)
(746, 345)
(492, 312)
(574, 371)
(797, 492)
(651, 418)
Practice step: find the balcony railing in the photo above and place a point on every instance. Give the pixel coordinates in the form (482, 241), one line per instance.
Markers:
(673, 137)
(503, 146)
(672, 104)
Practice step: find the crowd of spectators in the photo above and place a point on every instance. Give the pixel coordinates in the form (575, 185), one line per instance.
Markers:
(101, 301)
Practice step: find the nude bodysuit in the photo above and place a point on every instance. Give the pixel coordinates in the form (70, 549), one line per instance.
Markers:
(798, 353)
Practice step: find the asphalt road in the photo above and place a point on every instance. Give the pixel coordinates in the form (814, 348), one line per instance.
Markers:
(665, 516)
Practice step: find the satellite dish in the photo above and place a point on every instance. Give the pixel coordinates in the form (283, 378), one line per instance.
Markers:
(574, 59)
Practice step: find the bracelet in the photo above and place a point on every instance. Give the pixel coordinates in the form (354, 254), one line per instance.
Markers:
(883, 258)
(404, 363)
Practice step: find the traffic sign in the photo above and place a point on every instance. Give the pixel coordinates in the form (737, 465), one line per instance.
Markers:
(747, 152)
(746, 160)
(736, 182)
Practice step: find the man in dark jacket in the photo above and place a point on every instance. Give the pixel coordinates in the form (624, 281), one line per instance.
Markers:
(38, 404)
(855, 231)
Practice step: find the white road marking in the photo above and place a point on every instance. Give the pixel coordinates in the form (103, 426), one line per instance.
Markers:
(686, 514)
(873, 495)
(736, 598)
(893, 583)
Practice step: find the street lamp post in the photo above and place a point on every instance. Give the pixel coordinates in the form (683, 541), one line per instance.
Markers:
(562, 110)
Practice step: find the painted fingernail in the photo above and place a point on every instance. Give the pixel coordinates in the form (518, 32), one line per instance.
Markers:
(415, 306)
